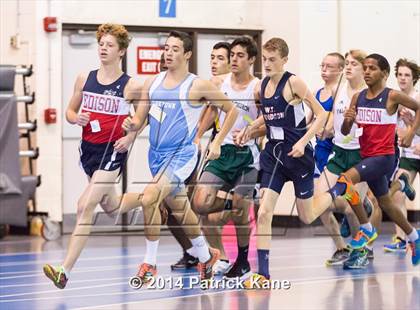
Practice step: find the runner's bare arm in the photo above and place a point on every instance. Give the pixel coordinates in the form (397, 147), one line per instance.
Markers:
(132, 93)
(210, 113)
(303, 92)
(207, 90)
(399, 98)
(72, 112)
(257, 127)
(349, 116)
(258, 132)
(138, 121)
(206, 122)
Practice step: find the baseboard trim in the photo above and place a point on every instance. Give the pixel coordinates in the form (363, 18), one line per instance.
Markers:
(293, 221)
(105, 224)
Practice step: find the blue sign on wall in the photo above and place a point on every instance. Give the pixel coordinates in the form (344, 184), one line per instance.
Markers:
(167, 8)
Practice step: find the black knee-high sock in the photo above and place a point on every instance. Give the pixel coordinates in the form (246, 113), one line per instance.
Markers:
(242, 254)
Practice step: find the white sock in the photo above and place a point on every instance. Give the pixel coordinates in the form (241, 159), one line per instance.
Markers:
(192, 251)
(367, 226)
(151, 252)
(402, 184)
(66, 273)
(413, 236)
(201, 249)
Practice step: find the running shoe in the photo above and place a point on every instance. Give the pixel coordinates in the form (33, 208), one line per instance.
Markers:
(206, 269)
(345, 231)
(408, 190)
(57, 275)
(363, 238)
(415, 251)
(185, 262)
(339, 257)
(146, 272)
(257, 282)
(241, 270)
(357, 260)
(221, 267)
(397, 245)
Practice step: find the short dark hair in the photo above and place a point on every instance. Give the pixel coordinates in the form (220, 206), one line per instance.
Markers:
(248, 43)
(382, 62)
(340, 58)
(184, 37)
(415, 70)
(224, 45)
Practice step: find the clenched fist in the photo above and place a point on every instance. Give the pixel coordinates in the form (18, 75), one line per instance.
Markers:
(130, 125)
(214, 151)
(350, 114)
(83, 119)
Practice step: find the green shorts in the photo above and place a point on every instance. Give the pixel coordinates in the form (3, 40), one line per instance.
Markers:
(233, 162)
(342, 160)
(410, 164)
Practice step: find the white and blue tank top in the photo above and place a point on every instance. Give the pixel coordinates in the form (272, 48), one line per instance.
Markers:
(173, 119)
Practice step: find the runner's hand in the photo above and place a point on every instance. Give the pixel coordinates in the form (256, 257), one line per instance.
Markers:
(407, 139)
(297, 150)
(407, 117)
(236, 137)
(244, 136)
(214, 151)
(122, 144)
(350, 114)
(129, 124)
(83, 119)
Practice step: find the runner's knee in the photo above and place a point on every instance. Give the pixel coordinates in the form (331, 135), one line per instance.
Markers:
(203, 200)
(264, 216)
(150, 197)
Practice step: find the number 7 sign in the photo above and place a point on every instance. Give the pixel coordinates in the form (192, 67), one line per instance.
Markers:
(167, 8)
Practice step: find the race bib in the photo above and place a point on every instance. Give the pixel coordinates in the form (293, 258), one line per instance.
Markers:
(157, 113)
(94, 125)
(277, 133)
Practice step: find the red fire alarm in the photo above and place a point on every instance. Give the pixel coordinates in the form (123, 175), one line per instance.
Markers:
(50, 116)
(50, 24)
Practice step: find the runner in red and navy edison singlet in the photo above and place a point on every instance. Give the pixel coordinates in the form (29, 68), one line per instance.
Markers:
(107, 110)
(99, 106)
(375, 112)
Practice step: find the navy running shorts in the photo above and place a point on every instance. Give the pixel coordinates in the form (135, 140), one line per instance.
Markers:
(278, 168)
(376, 171)
(100, 156)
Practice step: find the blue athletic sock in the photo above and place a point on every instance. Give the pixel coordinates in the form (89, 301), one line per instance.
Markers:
(242, 253)
(337, 190)
(263, 262)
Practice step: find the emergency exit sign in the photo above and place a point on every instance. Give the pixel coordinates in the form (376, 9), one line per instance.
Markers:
(148, 59)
